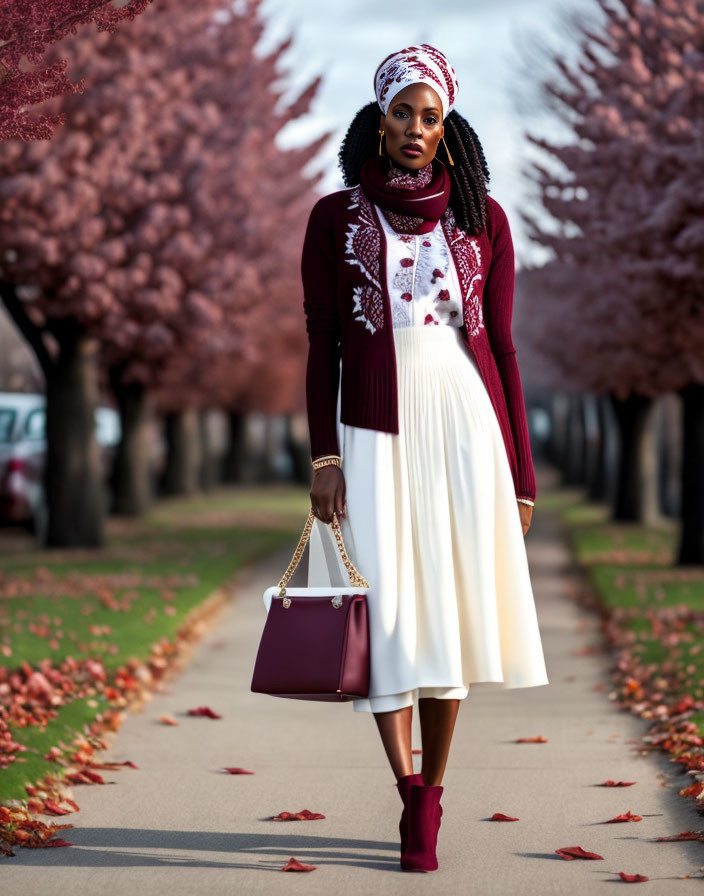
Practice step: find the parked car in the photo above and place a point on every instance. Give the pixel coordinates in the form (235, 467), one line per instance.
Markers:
(23, 456)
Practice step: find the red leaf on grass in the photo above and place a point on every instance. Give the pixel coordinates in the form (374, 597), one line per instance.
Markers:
(204, 711)
(303, 815)
(499, 816)
(687, 702)
(538, 739)
(237, 771)
(627, 816)
(632, 878)
(576, 852)
(611, 783)
(295, 865)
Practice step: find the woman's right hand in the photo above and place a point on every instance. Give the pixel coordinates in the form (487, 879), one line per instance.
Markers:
(328, 493)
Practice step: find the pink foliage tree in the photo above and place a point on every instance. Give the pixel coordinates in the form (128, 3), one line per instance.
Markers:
(156, 236)
(627, 193)
(26, 30)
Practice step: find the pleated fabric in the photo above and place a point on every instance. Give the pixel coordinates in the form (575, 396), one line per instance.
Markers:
(433, 525)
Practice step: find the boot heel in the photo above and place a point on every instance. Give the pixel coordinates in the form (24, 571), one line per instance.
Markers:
(404, 788)
(425, 815)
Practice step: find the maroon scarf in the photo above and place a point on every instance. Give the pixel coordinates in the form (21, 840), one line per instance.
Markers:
(412, 203)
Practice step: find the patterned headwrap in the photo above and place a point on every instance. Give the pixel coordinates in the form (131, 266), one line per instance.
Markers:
(424, 63)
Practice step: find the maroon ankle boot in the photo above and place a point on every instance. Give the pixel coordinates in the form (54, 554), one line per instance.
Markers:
(404, 788)
(425, 814)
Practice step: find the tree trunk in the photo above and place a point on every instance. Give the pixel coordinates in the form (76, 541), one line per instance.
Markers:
(631, 419)
(301, 470)
(235, 453)
(650, 503)
(691, 544)
(183, 452)
(574, 461)
(271, 443)
(670, 476)
(557, 443)
(75, 492)
(132, 480)
(595, 474)
(208, 465)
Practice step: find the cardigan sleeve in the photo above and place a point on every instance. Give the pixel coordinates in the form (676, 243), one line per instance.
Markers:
(323, 328)
(498, 311)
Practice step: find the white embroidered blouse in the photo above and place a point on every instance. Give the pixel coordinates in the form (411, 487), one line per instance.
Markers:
(421, 278)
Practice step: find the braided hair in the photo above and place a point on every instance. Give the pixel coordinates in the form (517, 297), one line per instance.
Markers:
(468, 176)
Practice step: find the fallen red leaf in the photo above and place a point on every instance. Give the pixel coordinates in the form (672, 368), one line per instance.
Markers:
(538, 739)
(303, 815)
(693, 790)
(685, 835)
(238, 771)
(204, 711)
(632, 878)
(576, 852)
(50, 808)
(168, 720)
(611, 783)
(111, 766)
(295, 865)
(78, 778)
(57, 841)
(626, 816)
(499, 816)
(588, 650)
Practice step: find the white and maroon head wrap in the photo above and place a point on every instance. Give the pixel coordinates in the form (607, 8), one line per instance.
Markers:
(424, 63)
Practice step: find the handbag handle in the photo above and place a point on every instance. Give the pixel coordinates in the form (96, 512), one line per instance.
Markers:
(356, 578)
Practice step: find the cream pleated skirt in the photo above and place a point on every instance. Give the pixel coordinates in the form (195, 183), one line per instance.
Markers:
(433, 525)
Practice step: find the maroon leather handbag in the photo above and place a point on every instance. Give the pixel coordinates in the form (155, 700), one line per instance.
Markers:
(315, 642)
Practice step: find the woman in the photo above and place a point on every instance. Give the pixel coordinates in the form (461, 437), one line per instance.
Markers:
(419, 440)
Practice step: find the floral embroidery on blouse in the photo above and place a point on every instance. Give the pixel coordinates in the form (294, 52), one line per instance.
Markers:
(422, 288)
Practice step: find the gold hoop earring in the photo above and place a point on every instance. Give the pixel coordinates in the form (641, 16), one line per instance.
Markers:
(449, 157)
(381, 137)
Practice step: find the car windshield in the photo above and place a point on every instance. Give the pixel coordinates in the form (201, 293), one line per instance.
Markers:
(7, 423)
(34, 425)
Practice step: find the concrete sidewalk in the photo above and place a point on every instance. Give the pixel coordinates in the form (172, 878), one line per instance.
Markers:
(178, 825)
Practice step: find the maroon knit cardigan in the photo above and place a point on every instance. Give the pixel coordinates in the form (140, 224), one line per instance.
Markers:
(347, 308)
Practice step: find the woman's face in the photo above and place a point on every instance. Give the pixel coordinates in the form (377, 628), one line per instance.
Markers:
(415, 117)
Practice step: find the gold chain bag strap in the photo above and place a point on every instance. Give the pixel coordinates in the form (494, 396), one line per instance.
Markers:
(355, 576)
(307, 651)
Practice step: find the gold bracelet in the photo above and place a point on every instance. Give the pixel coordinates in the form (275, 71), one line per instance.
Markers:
(327, 461)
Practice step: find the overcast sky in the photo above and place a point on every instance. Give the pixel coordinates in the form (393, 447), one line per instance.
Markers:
(345, 40)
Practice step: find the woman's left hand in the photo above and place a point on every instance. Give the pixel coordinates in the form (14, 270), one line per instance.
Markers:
(526, 511)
